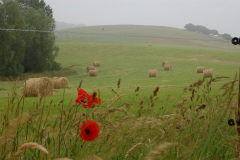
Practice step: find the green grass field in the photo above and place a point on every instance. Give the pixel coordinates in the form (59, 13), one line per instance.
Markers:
(121, 126)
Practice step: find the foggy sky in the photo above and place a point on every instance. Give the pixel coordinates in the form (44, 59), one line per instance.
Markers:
(222, 15)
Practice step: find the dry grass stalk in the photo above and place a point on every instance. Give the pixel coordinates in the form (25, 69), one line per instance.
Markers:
(31, 145)
(92, 157)
(202, 106)
(152, 73)
(200, 69)
(119, 82)
(59, 82)
(158, 151)
(93, 73)
(167, 67)
(35, 87)
(131, 149)
(208, 73)
(14, 124)
(164, 63)
(90, 68)
(155, 91)
(63, 159)
(96, 64)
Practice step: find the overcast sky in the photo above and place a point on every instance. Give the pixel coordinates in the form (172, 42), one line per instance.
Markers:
(222, 15)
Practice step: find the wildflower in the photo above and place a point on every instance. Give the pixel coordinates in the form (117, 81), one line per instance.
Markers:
(89, 130)
(86, 99)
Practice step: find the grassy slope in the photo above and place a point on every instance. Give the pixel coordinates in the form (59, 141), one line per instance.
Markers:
(127, 31)
(131, 64)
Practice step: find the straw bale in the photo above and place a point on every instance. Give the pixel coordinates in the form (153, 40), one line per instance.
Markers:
(90, 68)
(167, 67)
(96, 64)
(152, 73)
(93, 73)
(200, 69)
(166, 62)
(207, 73)
(60, 82)
(35, 87)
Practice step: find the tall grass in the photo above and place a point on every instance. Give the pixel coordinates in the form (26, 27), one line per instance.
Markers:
(143, 130)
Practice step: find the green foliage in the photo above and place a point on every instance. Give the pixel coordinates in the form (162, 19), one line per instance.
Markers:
(27, 51)
(36, 4)
(41, 51)
(214, 32)
(227, 36)
(12, 44)
(202, 29)
(190, 27)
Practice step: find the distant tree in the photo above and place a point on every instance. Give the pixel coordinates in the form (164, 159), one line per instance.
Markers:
(12, 45)
(214, 32)
(190, 27)
(226, 36)
(202, 29)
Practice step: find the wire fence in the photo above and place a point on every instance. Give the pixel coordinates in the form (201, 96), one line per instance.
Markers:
(118, 35)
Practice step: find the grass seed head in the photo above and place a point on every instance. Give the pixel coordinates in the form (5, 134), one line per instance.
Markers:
(137, 89)
(201, 106)
(155, 91)
(31, 145)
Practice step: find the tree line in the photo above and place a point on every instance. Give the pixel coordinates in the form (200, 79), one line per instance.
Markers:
(27, 51)
(206, 31)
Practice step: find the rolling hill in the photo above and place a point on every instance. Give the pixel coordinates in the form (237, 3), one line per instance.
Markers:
(143, 35)
(63, 25)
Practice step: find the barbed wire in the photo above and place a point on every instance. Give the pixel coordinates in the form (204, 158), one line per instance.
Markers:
(120, 35)
(24, 30)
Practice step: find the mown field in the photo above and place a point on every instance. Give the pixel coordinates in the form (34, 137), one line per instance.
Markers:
(129, 119)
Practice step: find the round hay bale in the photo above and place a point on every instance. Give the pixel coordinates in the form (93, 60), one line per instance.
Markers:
(207, 73)
(93, 73)
(200, 69)
(90, 68)
(96, 64)
(35, 87)
(152, 73)
(167, 67)
(59, 82)
(163, 63)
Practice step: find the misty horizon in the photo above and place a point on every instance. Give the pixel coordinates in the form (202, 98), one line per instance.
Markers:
(221, 15)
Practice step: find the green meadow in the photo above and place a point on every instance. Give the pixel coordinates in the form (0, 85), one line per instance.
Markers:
(124, 120)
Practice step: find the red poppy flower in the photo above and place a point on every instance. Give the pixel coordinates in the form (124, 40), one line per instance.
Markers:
(89, 130)
(87, 101)
(81, 93)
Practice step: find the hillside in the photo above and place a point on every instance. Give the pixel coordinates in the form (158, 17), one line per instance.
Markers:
(143, 35)
(63, 25)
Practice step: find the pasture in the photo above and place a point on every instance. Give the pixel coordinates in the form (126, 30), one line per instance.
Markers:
(131, 125)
